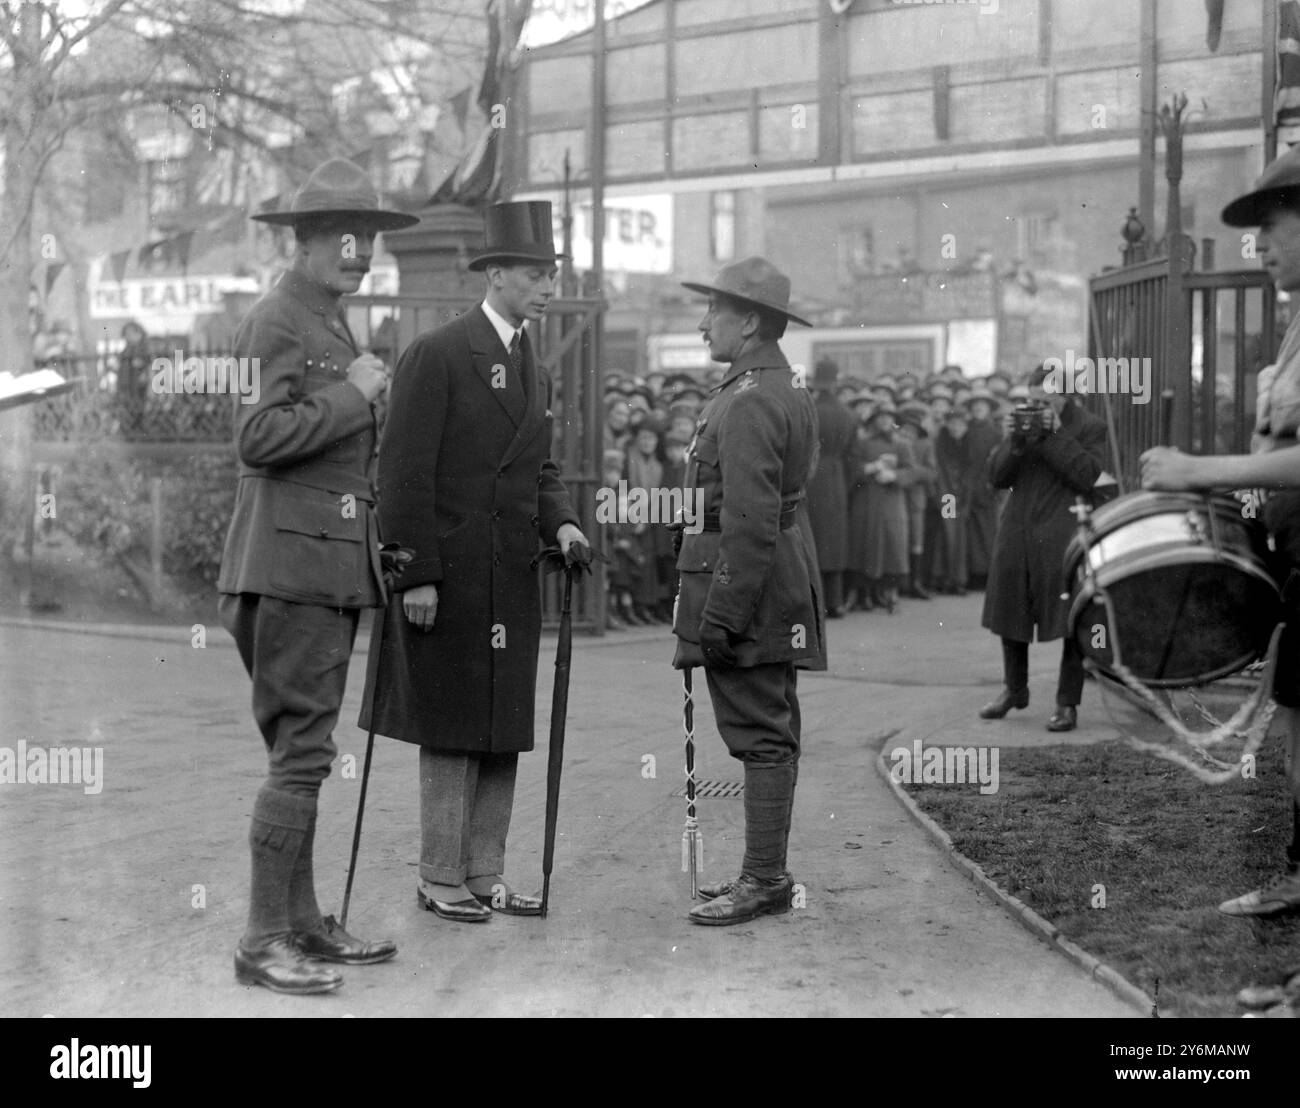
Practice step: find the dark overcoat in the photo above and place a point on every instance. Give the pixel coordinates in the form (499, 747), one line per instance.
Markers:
(466, 481)
(878, 512)
(756, 574)
(1027, 577)
(828, 494)
(304, 526)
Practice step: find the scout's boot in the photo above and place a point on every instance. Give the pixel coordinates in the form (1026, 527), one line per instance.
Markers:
(266, 955)
(322, 937)
(764, 886)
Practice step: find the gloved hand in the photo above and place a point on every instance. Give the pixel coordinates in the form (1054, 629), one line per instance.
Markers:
(677, 528)
(715, 644)
(577, 551)
(393, 559)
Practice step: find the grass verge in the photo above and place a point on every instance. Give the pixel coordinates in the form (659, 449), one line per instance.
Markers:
(1164, 849)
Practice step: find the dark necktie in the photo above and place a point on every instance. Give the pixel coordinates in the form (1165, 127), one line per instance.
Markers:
(517, 353)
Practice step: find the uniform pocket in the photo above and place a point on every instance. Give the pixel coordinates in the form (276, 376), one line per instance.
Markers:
(319, 544)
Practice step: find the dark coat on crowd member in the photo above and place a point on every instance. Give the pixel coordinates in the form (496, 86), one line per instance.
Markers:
(918, 485)
(304, 527)
(828, 494)
(982, 438)
(878, 512)
(1026, 578)
(955, 472)
(755, 447)
(466, 481)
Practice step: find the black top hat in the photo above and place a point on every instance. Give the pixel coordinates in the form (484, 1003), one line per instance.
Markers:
(339, 188)
(518, 231)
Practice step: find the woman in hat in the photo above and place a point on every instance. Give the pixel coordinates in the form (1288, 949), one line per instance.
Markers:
(644, 471)
(918, 484)
(954, 473)
(878, 512)
(827, 493)
(618, 419)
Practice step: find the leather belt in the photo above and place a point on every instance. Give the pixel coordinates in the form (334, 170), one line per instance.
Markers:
(789, 513)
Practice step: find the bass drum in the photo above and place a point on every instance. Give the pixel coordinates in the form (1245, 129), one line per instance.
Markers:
(1188, 582)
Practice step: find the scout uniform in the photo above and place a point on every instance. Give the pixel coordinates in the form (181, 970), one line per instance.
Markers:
(751, 574)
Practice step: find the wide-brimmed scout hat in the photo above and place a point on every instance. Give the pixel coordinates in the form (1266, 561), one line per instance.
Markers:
(1280, 178)
(338, 188)
(520, 230)
(755, 281)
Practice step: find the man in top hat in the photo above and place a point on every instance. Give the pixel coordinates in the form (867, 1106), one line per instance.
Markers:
(1274, 207)
(749, 608)
(302, 559)
(467, 483)
(828, 491)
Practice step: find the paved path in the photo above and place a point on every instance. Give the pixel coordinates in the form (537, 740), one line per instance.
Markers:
(130, 901)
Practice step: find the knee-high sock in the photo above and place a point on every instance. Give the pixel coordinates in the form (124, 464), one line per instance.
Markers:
(769, 796)
(304, 912)
(280, 822)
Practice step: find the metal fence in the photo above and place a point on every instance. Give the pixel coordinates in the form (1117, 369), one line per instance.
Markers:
(152, 424)
(1202, 334)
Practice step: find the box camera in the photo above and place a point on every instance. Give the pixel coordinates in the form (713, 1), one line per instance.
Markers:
(1031, 418)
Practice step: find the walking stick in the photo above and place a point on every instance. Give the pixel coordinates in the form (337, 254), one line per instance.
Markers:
(555, 750)
(368, 698)
(393, 559)
(692, 840)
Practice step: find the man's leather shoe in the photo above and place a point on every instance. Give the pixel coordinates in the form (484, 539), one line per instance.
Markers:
(1065, 718)
(722, 888)
(462, 911)
(747, 899)
(281, 967)
(996, 709)
(330, 943)
(512, 904)
(712, 892)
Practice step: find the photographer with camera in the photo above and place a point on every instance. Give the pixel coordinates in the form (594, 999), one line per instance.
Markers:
(1053, 452)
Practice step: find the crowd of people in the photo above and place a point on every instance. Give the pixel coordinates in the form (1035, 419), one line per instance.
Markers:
(901, 503)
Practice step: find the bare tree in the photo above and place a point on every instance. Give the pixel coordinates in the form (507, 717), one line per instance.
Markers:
(245, 73)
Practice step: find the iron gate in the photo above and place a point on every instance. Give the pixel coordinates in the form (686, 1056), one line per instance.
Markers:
(1206, 333)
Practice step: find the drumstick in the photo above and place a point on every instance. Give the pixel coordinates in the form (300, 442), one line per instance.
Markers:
(1166, 429)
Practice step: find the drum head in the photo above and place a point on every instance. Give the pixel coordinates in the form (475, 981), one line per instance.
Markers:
(1179, 624)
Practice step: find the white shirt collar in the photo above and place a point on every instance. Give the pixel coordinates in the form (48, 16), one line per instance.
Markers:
(499, 324)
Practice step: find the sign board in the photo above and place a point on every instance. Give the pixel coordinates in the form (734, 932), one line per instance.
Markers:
(181, 297)
(973, 345)
(638, 232)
